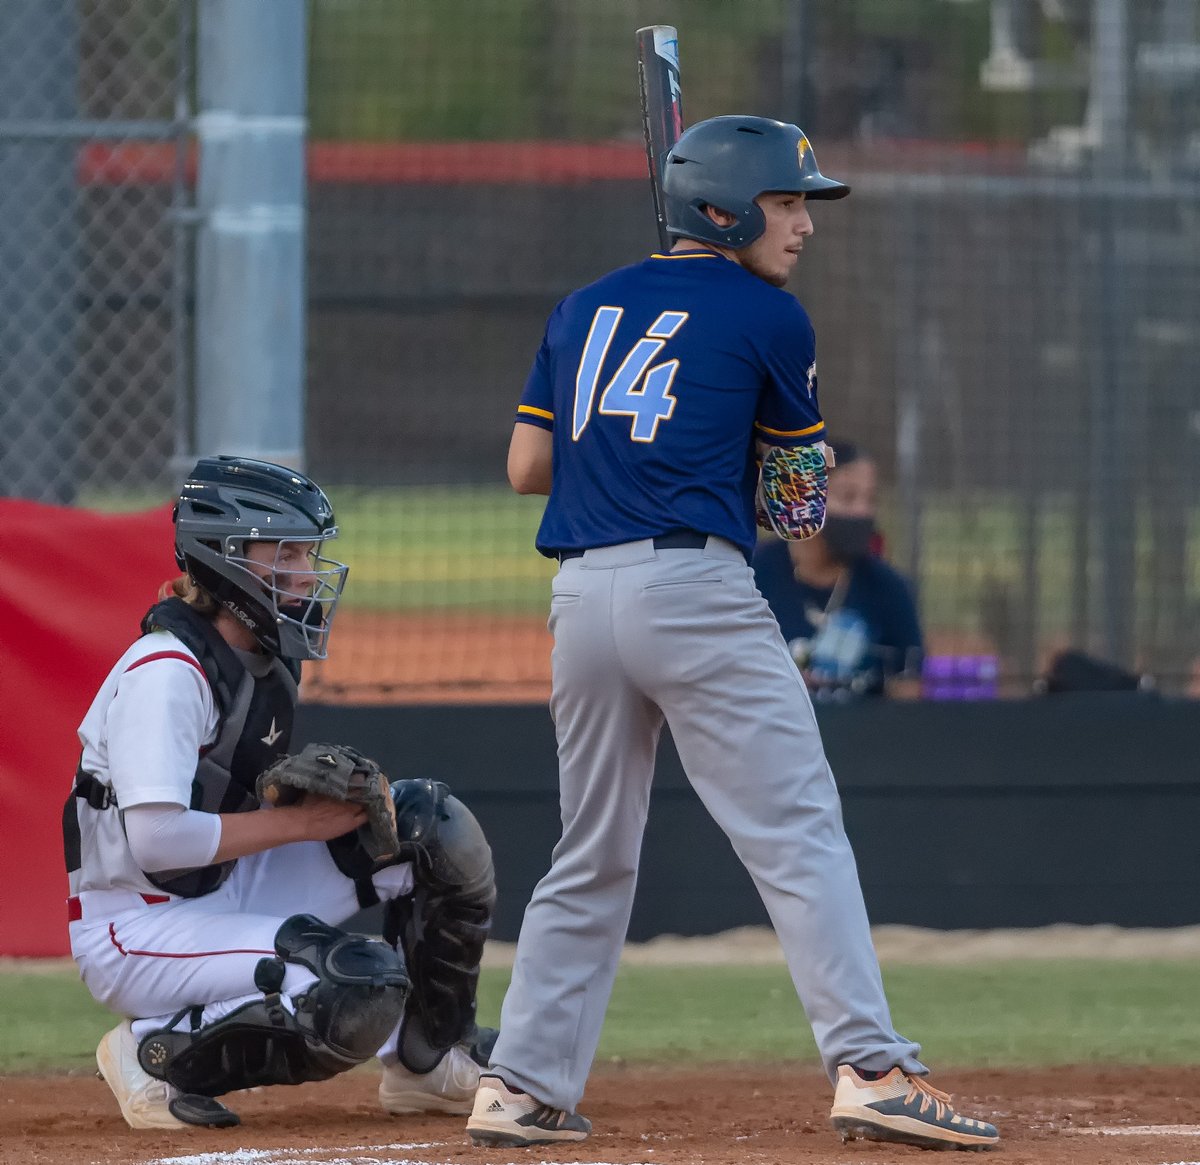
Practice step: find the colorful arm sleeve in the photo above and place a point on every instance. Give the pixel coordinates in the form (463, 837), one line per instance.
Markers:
(792, 484)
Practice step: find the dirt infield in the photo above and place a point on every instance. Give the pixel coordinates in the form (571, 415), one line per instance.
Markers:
(460, 657)
(743, 1115)
(758, 1114)
(386, 658)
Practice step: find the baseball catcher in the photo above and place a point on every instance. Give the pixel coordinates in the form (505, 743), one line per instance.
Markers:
(210, 869)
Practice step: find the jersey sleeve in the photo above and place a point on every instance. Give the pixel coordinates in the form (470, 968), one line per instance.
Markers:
(161, 715)
(537, 401)
(788, 412)
(169, 837)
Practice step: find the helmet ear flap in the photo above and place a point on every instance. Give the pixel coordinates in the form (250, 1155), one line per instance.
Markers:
(690, 220)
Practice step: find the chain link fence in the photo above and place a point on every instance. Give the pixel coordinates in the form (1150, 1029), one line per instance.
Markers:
(1005, 308)
(92, 259)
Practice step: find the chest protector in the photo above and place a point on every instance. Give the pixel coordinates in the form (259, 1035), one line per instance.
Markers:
(254, 730)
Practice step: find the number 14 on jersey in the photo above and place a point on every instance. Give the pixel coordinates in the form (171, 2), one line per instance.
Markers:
(636, 390)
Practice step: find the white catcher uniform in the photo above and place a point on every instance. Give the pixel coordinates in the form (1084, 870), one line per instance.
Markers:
(146, 954)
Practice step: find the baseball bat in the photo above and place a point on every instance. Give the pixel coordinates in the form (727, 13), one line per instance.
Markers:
(662, 108)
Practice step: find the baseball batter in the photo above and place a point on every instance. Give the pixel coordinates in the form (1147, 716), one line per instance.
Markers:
(208, 919)
(656, 395)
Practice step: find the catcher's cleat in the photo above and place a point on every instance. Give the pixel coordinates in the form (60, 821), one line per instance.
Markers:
(504, 1117)
(147, 1103)
(206, 1111)
(903, 1109)
(450, 1087)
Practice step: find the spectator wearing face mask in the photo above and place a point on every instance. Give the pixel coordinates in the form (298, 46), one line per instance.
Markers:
(848, 617)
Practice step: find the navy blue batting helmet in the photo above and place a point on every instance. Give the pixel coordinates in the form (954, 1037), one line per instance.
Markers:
(727, 162)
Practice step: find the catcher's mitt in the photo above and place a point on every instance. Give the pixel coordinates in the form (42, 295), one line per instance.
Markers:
(340, 772)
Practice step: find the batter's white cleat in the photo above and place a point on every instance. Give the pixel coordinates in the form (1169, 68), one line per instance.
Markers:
(450, 1087)
(148, 1103)
(504, 1117)
(906, 1110)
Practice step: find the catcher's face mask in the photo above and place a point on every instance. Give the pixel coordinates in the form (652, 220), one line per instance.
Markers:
(300, 585)
(284, 590)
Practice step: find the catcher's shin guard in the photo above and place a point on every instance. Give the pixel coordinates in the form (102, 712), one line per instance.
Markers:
(339, 1022)
(442, 927)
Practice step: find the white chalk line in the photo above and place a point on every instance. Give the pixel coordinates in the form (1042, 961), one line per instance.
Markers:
(289, 1155)
(347, 1155)
(1143, 1131)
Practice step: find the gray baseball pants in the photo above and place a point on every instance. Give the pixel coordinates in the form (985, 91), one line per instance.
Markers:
(641, 635)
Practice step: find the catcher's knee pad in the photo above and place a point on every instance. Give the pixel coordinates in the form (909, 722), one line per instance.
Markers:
(442, 838)
(337, 1023)
(443, 925)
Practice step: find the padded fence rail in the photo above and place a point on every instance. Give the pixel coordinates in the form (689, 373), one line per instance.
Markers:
(1020, 813)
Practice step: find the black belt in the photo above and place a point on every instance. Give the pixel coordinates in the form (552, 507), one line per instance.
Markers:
(677, 540)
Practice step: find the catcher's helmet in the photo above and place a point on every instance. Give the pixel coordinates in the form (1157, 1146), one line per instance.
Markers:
(229, 501)
(727, 162)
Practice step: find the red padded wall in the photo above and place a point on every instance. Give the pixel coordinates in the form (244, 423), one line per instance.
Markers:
(74, 585)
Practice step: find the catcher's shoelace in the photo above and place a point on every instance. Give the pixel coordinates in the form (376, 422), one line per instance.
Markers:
(929, 1095)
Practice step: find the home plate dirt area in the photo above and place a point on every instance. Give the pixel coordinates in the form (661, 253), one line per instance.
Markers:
(738, 1115)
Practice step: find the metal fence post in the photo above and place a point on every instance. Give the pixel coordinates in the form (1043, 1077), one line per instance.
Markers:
(249, 325)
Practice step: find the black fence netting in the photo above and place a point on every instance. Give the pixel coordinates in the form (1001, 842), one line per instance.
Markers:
(1005, 307)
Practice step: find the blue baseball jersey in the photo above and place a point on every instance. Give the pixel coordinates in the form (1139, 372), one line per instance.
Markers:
(656, 381)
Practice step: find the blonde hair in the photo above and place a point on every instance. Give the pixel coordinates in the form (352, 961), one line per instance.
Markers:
(191, 592)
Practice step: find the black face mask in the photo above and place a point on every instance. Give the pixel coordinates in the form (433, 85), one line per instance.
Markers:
(848, 539)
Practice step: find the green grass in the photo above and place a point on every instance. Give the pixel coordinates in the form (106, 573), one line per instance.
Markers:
(437, 548)
(1012, 1014)
(514, 69)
